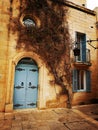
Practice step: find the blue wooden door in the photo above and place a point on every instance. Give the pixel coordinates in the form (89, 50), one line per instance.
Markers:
(26, 86)
(32, 86)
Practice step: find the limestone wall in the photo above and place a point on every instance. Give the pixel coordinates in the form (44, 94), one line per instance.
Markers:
(79, 2)
(9, 57)
(96, 9)
(85, 23)
(4, 21)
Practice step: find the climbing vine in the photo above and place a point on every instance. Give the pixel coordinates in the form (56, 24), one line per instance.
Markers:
(50, 40)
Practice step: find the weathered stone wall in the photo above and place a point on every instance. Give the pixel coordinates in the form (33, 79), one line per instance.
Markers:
(48, 94)
(85, 23)
(96, 9)
(79, 2)
(4, 20)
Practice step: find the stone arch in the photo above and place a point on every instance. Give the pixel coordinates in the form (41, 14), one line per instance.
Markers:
(32, 55)
(12, 64)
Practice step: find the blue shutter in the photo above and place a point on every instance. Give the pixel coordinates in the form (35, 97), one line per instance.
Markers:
(75, 80)
(83, 51)
(88, 81)
(84, 48)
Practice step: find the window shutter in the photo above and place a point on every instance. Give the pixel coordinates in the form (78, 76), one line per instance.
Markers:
(75, 81)
(84, 48)
(83, 52)
(88, 81)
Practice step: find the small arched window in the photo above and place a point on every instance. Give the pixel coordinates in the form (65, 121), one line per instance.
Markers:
(29, 22)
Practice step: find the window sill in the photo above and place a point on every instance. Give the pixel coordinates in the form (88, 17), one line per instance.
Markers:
(80, 63)
(81, 91)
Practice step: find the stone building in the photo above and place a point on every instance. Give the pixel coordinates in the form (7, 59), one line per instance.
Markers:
(82, 23)
(25, 79)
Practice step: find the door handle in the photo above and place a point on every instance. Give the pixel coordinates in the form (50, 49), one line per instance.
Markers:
(22, 83)
(30, 83)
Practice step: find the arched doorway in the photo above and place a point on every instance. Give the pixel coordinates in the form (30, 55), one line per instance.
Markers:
(26, 84)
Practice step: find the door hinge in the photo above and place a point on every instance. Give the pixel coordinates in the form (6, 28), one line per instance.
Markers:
(31, 104)
(18, 105)
(20, 69)
(18, 87)
(34, 70)
(32, 87)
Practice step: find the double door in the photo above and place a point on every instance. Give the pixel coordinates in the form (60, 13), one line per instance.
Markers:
(26, 86)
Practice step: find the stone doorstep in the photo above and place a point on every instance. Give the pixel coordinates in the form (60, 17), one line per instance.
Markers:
(9, 116)
(1, 116)
(86, 117)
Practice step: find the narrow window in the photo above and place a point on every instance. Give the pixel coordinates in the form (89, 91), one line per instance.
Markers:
(81, 44)
(81, 80)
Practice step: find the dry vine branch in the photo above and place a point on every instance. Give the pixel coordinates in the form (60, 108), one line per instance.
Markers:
(50, 41)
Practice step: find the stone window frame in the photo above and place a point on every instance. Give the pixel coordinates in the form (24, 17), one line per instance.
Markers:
(30, 16)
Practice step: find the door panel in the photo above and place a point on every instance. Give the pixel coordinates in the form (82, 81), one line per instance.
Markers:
(25, 89)
(19, 87)
(32, 84)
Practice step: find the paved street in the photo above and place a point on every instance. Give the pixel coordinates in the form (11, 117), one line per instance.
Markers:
(51, 119)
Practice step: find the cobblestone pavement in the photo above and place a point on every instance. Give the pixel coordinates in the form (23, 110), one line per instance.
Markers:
(50, 119)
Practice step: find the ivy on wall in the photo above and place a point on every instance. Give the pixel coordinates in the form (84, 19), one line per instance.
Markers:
(50, 40)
